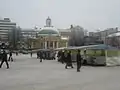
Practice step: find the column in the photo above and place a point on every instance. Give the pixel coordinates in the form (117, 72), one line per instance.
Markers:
(32, 45)
(66, 44)
(49, 44)
(53, 44)
(45, 45)
(57, 44)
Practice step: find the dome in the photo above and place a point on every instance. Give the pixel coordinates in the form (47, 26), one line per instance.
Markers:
(49, 31)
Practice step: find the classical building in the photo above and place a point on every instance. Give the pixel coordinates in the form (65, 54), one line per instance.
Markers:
(50, 37)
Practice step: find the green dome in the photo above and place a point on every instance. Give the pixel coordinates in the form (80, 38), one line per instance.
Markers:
(48, 31)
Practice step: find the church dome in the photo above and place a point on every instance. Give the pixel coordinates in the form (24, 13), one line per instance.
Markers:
(48, 31)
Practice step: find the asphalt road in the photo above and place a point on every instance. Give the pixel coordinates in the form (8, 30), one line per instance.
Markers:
(28, 73)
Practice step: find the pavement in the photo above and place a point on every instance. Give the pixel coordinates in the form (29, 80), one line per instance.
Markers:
(28, 73)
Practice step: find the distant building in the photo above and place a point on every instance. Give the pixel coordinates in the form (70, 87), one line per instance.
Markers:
(6, 30)
(9, 33)
(90, 40)
(103, 34)
(91, 34)
(50, 37)
(113, 39)
(76, 36)
(65, 36)
(29, 33)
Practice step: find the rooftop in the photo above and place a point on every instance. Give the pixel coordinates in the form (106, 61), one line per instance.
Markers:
(49, 31)
(114, 34)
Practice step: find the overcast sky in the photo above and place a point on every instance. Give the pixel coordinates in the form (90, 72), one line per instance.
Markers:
(90, 14)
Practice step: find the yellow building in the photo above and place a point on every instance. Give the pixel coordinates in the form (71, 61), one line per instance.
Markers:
(49, 37)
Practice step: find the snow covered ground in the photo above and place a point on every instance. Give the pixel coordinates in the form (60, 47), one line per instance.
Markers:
(28, 73)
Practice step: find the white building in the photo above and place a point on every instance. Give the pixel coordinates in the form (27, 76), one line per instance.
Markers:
(113, 39)
(29, 33)
(6, 29)
(103, 34)
(50, 37)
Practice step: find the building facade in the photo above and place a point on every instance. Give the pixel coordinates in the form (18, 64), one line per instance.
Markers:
(29, 33)
(6, 29)
(103, 34)
(50, 37)
(113, 40)
(76, 36)
(9, 33)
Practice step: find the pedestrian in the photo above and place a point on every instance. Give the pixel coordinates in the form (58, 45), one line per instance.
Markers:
(4, 59)
(37, 54)
(54, 55)
(59, 55)
(10, 56)
(41, 56)
(31, 53)
(62, 59)
(69, 60)
(79, 58)
(16, 53)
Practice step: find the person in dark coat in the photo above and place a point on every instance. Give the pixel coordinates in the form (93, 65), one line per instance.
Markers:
(69, 60)
(59, 55)
(31, 53)
(10, 56)
(37, 55)
(62, 59)
(41, 56)
(16, 53)
(4, 59)
(79, 58)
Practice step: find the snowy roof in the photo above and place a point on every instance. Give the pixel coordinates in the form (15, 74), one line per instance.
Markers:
(114, 34)
(64, 38)
(104, 47)
(64, 30)
(49, 31)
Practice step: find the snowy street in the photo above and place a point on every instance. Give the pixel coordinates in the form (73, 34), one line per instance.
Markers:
(28, 73)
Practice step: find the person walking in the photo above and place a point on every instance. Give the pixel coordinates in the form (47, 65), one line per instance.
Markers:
(16, 53)
(10, 56)
(41, 55)
(62, 59)
(4, 59)
(31, 53)
(79, 58)
(38, 55)
(69, 60)
(59, 55)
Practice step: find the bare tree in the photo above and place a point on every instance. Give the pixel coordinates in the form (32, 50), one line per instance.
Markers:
(77, 36)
